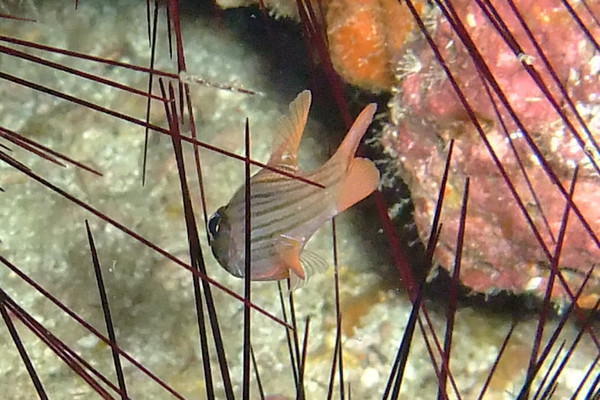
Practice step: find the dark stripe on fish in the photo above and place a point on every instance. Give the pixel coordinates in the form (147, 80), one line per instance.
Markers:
(264, 189)
(278, 196)
(286, 203)
(291, 221)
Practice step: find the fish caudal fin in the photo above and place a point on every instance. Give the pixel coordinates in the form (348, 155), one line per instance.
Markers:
(346, 151)
(361, 177)
(360, 181)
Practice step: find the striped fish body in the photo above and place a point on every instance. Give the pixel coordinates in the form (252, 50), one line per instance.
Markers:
(285, 212)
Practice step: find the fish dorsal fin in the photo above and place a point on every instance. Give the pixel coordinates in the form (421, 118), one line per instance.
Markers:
(288, 250)
(288, 132)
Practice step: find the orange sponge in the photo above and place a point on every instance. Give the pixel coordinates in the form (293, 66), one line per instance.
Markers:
(363, 37)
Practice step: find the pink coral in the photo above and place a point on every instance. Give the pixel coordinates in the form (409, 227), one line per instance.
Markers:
(501, 250)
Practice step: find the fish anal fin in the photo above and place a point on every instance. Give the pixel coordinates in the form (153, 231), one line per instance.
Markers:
(360, 181)
(288, 132)
(289, 253)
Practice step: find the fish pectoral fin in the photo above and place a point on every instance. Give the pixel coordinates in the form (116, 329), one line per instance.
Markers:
(289, 253)
(312, 263)
(296, 282)
(288, 132)
(360, 181)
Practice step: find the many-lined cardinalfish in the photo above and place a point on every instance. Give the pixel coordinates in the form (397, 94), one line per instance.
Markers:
(284, 211)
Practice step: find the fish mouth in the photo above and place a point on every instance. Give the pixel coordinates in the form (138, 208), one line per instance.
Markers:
(238, 273)
(236, 270)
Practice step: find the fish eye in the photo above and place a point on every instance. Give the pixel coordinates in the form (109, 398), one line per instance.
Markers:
(213, 226)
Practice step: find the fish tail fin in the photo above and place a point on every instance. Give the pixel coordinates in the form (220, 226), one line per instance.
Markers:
(360, 180)
(361, 177)
(347, 149)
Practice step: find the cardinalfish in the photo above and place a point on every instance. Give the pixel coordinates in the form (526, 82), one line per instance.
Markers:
(285, 212)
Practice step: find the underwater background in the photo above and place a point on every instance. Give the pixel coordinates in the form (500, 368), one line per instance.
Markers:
(43, 235)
